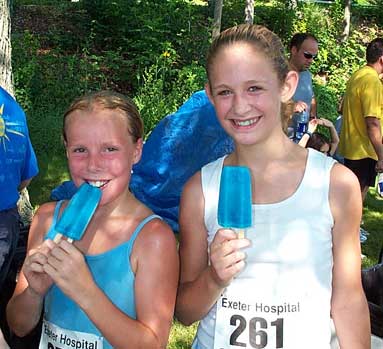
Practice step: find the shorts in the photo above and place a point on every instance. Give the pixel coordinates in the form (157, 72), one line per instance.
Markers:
(364, 169)
(9, 235)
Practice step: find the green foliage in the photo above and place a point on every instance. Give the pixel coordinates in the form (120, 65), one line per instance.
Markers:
(154, 51)
(327, 96)
(24, 50)
(140, 27)
(156, 96)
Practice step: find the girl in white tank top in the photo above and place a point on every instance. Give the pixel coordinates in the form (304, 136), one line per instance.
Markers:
(299, 264)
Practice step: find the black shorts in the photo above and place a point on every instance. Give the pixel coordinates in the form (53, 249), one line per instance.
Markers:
(9, 235)
(364, 169)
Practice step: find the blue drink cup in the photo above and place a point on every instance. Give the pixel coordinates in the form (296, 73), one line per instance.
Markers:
(234, 204)
(302, 127)
(301, 124)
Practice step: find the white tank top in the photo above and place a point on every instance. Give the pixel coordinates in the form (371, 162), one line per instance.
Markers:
(288, 273)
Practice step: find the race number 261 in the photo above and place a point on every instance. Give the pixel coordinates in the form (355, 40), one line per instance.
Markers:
(258, 331)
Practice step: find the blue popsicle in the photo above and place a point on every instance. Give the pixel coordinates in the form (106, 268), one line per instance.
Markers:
(234, 204)
(78, 213)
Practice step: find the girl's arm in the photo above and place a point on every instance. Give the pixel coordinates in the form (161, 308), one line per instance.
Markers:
(201, 280)
(349, 307)
(156, 278)
(25, 307)
(333, 135)
(312, 126)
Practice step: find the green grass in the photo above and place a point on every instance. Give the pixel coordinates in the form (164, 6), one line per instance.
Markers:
(373, 218)
(53, 171)
(181, 337)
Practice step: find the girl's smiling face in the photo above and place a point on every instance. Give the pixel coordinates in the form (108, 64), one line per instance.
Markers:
(247, 93)
(100, 150)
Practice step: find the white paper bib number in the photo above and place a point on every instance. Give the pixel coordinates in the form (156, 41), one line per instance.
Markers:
(237, 326)
(55, 337)
(245, 321)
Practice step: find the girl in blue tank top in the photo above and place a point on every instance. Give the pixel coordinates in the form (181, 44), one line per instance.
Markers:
(116, 286)
(299, 263)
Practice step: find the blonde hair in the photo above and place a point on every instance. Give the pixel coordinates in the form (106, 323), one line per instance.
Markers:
(109, 100)
(263, 39)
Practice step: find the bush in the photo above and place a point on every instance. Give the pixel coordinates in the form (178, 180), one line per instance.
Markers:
(154, 51)
(163, 88)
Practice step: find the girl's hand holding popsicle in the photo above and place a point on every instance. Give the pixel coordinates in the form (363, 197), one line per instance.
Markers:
(67, 268)
(226, 257)
(38, 281)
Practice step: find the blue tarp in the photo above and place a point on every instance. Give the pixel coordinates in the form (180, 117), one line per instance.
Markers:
(177, 148)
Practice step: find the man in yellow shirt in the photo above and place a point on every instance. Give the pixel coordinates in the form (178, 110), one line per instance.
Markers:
(361, 134)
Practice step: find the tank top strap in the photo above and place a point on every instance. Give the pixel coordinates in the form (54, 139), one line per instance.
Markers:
(52, 231)
(139, 228)
(210, 180)
(318, 164)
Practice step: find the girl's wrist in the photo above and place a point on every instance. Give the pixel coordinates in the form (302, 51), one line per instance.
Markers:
(34, 294)
(309, 133)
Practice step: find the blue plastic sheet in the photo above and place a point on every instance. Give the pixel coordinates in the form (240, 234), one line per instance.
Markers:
(177, 148)
(64, 191)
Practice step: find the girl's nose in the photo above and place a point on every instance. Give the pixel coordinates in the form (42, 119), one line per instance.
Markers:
(240, 105)
(94, 162)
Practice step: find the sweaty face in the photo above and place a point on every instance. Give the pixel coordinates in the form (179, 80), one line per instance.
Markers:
(302, 59)
(246, 93)
(101, 151)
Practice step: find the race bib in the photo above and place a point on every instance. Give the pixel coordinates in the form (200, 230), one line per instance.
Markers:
(247, 319)
(55, 337)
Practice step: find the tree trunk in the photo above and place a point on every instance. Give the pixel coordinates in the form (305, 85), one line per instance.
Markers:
(346, 21)
(6, 81)
(249, 12)
(217, 18)
(5, 47)
(292, 4)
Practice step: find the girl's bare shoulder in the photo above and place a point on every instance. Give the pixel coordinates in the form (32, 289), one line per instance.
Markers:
(41, 223)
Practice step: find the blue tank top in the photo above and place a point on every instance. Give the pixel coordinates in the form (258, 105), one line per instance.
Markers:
(112, 273)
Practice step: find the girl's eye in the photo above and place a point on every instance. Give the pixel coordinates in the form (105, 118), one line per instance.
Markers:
(223, 93)
(253, 88)
(110, 149)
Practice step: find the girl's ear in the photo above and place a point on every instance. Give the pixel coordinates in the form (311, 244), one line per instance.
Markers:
(138, 151)
(289, 86)
(208, 93)
(66, 149)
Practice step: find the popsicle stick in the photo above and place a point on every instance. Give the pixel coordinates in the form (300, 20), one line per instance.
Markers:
(240, 233)
(58, 238)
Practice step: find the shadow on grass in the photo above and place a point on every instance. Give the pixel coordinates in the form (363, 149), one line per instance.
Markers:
(53, 171)
(373, 218)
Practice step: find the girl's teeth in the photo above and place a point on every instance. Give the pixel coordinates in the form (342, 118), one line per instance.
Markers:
(245, 123)
(97, 184)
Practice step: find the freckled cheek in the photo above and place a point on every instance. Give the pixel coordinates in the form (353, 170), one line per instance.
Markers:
(223, 109)
(119, 166)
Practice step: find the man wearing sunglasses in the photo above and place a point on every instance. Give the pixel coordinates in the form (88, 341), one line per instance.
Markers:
(361, 133)
(303, 51)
